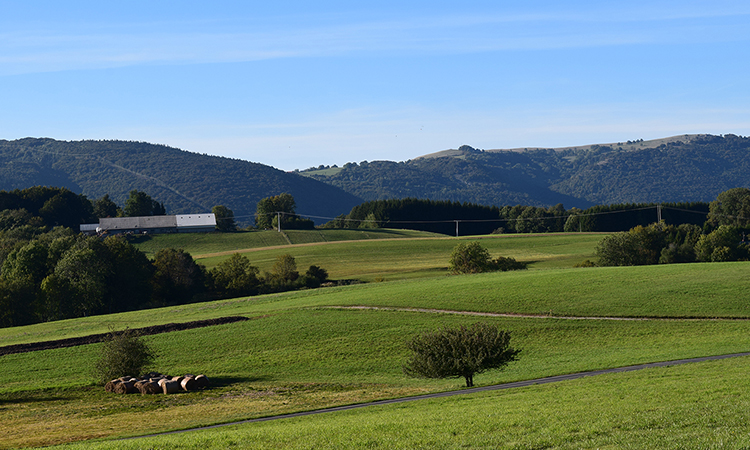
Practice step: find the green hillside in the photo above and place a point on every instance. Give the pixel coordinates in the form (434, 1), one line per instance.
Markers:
(376, 255)
(185, 182)
(342, 345)
(307, 350)
(685, 168)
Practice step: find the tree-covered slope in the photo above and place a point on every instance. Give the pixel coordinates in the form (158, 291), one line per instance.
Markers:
(185, 182)
(484, 178)
(678, 169)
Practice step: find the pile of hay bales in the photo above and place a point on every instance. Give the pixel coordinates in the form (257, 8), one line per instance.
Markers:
(156, 383)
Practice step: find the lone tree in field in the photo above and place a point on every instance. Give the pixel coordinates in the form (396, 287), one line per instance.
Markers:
(459, 352)
(123, 353)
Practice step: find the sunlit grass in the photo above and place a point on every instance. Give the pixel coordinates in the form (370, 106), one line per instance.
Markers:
(304, 350)
(702, 405)
(297, 360)
(418, 258)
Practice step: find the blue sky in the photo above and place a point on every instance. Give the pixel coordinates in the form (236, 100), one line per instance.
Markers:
(299, 84)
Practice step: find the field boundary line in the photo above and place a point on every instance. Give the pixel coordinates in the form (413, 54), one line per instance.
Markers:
(524, 316)
(466, 391)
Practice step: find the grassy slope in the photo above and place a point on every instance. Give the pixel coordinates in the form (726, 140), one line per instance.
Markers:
(700, 406)
(297, 355)
(688, 290)
(371, 255)
(299, 360)
(207, 243)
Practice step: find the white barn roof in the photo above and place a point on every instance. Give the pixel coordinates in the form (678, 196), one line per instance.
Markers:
(196, 220)
(191, 222)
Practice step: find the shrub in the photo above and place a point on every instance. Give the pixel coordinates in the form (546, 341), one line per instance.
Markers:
(469, 258)
(505, 264)
(587, 263)
(123, 353)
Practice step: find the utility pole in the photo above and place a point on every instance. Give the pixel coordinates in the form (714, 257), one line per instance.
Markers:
(658, 213)
(456, 227)
(278, 221)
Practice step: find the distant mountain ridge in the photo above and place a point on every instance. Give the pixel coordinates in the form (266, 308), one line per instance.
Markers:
(687, 168)
(684, 168)
(637, 144)
(185, 182)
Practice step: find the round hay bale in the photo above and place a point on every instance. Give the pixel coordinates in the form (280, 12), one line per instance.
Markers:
(170, 387)
(178, 379)
(161, 381)
(125, 387)
(189, 384)
(110, 386)
(201, 381)
(149, 387)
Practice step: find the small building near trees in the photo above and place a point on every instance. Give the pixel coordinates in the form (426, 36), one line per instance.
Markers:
(180, 223)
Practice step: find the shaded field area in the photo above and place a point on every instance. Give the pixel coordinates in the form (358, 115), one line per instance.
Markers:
(100, 337)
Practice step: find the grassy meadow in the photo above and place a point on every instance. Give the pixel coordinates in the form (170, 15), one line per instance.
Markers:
(374, 255)
(311, 349)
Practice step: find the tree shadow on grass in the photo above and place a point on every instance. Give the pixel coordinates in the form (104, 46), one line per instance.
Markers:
(220, 382)
(14, 400)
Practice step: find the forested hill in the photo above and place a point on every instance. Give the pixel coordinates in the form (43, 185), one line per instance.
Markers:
(185, 182)
(687, 168)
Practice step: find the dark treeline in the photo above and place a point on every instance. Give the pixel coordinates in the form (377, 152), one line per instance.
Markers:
(50, 271)
(60, 274)
(723, 237)
(45, 206)
(622, 217)
(441, 217)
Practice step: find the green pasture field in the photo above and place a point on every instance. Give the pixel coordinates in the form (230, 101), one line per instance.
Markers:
(299, 354)
(306, 359)
(703, 290)
(308, 349)
(207, 243)
(416, 258)
(702, 405)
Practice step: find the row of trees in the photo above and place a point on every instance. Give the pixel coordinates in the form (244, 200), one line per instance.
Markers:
(61, 274)
(42, 206)
(660, 243)
(722, 238)
(471, 219)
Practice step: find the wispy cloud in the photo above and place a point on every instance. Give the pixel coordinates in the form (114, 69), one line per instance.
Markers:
(93, 47)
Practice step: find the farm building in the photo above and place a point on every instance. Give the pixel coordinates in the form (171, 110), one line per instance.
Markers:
(181, 223)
